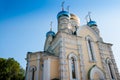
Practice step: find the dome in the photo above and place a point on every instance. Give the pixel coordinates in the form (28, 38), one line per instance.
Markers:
(63, 13)
(92, 23)
(74, 17)
(50, 33)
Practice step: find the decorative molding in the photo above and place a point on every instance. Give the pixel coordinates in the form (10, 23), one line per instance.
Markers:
(107, 47)
(95, 70)
(112, 68)
(54, 45)
(96, 30)
(63, 69)
(101, 51)
(85, 26)
(82, 70)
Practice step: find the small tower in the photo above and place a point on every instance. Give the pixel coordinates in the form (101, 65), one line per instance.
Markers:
(49, 37)
(92, 24)
(63, 18)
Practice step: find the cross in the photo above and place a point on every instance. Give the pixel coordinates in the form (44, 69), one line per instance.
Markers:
(63, 5)
(86, 18)
(68, 7)
(89, 15)
(51, 25)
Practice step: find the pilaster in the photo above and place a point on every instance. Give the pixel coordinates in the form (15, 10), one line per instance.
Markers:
(46, 69)
(101, 51)
(82, 70)
(117, 76)
(28, 67)
(27, 72)
(38, 67)
(63, 67)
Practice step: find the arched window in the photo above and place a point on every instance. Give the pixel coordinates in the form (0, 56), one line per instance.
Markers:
(109, 66)
(111, 69)
(32, 69)
(33, 72)
(73, 67)
(90, 49)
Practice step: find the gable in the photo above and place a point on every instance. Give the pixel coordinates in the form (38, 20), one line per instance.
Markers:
(85, 31)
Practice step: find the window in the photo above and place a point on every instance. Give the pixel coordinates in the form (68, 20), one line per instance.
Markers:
(73, 67)
(110, 69)
(109, 65)
(90, 49)
(33, 72)
(32, 69)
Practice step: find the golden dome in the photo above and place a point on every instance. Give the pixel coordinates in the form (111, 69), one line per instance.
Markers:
(74, 17)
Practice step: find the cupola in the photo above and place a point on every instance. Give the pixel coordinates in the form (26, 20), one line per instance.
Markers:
(91, 23)
(63, 13)
(50, 33)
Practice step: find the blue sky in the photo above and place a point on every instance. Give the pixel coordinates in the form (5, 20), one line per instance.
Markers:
(24, 23)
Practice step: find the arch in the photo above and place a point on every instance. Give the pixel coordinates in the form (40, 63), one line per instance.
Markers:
(73, 67)
(32, 70)
(96, 73)
(72, 55)
(110, 68)
(89, 37)
(90, 46)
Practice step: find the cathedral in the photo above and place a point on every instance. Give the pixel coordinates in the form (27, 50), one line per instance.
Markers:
(75, 52)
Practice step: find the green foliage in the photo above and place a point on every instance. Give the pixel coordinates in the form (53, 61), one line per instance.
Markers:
(10, 70)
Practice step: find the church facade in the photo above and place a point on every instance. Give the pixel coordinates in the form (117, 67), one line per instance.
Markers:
(75, 52)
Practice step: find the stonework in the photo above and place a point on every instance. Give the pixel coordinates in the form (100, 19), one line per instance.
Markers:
(75, 52)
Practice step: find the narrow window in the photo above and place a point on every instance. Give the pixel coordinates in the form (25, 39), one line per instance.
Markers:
(110, 69)
(73, 68)
(33, 72)
(91, 50)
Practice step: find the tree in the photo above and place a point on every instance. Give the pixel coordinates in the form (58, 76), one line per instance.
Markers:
(10, 70)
